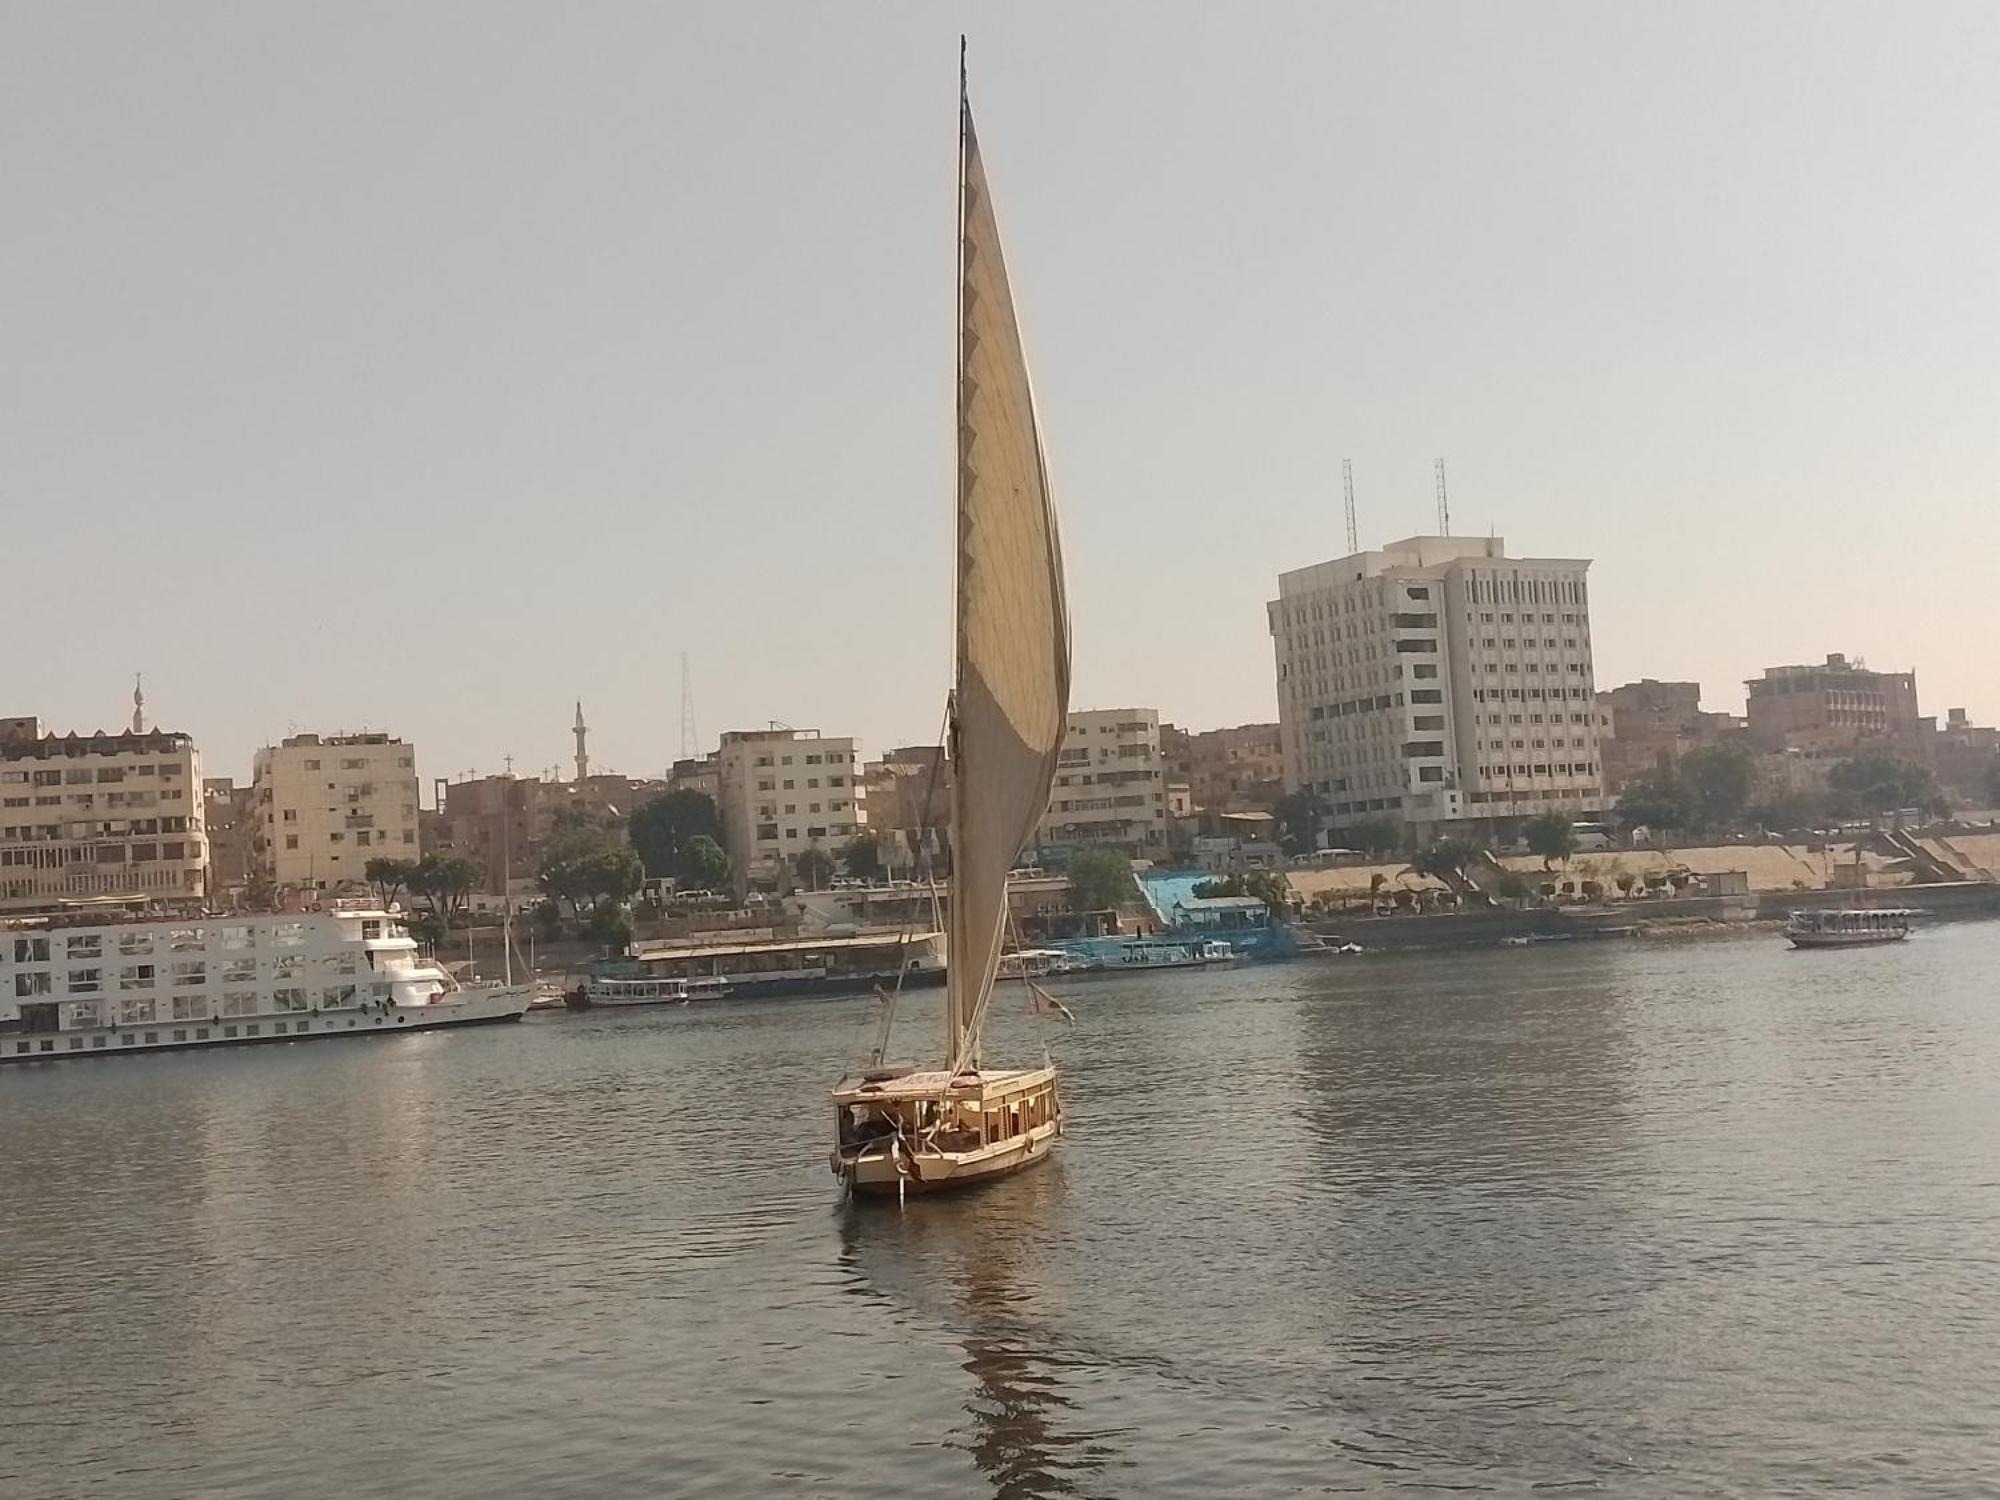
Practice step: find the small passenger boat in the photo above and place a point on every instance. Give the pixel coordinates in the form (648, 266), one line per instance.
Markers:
(1171, 953)
(614, 993)
(1848, 927)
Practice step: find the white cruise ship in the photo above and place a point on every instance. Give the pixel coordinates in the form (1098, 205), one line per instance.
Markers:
(91, 986)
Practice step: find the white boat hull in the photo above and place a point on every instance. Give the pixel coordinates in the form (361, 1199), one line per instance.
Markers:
(485, 1005)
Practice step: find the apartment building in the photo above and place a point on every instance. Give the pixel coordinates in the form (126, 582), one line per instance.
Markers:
(99, 817)
(329, 804)
(1647, 726)
(1440, 682)
(1837, 706)
(781, 792)
(1110, 788)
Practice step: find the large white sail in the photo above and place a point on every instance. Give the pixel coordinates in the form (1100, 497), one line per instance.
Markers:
(1012, 698)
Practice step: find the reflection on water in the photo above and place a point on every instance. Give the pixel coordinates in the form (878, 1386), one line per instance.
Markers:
(1024, 1429)
(1715, 1218)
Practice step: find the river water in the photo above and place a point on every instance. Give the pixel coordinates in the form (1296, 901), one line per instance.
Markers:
(1676, 1219)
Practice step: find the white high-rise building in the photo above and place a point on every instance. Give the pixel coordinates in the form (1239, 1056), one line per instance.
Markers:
(326, 805)
(1111, 785)
(1440, 682)
(99, 817)
(783, 791)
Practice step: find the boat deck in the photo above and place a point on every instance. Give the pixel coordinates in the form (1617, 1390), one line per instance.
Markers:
(935, 1083)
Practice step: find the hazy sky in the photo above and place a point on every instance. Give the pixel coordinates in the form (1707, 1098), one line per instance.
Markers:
(429, 367)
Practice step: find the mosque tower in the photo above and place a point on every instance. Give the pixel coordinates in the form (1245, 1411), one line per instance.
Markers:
(582, 753)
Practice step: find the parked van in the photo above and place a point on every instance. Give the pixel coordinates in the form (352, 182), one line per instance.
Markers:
(1591, 838)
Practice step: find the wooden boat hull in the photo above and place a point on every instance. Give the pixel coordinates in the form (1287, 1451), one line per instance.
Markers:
(881, 1173)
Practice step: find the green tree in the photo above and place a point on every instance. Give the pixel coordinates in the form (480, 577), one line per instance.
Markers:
(390, 877)
(704, 866)
(1099, 880)
(1378, 835)
(1874, 783)
(611, 925)
(1789, 810)
(1658, 801)
(1719, 779)
(1446, 860)
(1513, 887)
(586, 880)
(662, 829)
(812, 867)
(1300, 814)
(615, 875)
(862, 856)
(445, 881)
(1550, 836)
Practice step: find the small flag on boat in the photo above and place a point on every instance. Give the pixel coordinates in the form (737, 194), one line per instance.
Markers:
(1042, 1003)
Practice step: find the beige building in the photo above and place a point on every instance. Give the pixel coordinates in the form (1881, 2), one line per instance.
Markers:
(1833, 708)
(781, 792)
(1110, 788)
(327, 805)
(1440, 682)
(103, 816)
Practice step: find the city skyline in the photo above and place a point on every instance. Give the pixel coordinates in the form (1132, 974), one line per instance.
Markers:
(571, 352)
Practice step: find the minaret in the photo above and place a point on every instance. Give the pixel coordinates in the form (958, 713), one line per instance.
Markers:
(138, 705)
(582, 754)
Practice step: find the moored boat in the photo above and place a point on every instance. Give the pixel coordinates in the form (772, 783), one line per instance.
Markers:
(90, 987)
(615, 994)
(1848, 927)
(725, 964)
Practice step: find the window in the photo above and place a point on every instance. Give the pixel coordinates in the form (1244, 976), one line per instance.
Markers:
(86, 981)
(31, 950)
(291, 841)
(33, 984)
(288, 998)
(312, 765)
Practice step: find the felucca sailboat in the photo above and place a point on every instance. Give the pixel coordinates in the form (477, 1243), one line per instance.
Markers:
(960, 1122)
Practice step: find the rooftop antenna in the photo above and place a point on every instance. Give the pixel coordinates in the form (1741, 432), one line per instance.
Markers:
(687, 711)
(1444, 505)
(1347, 480)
